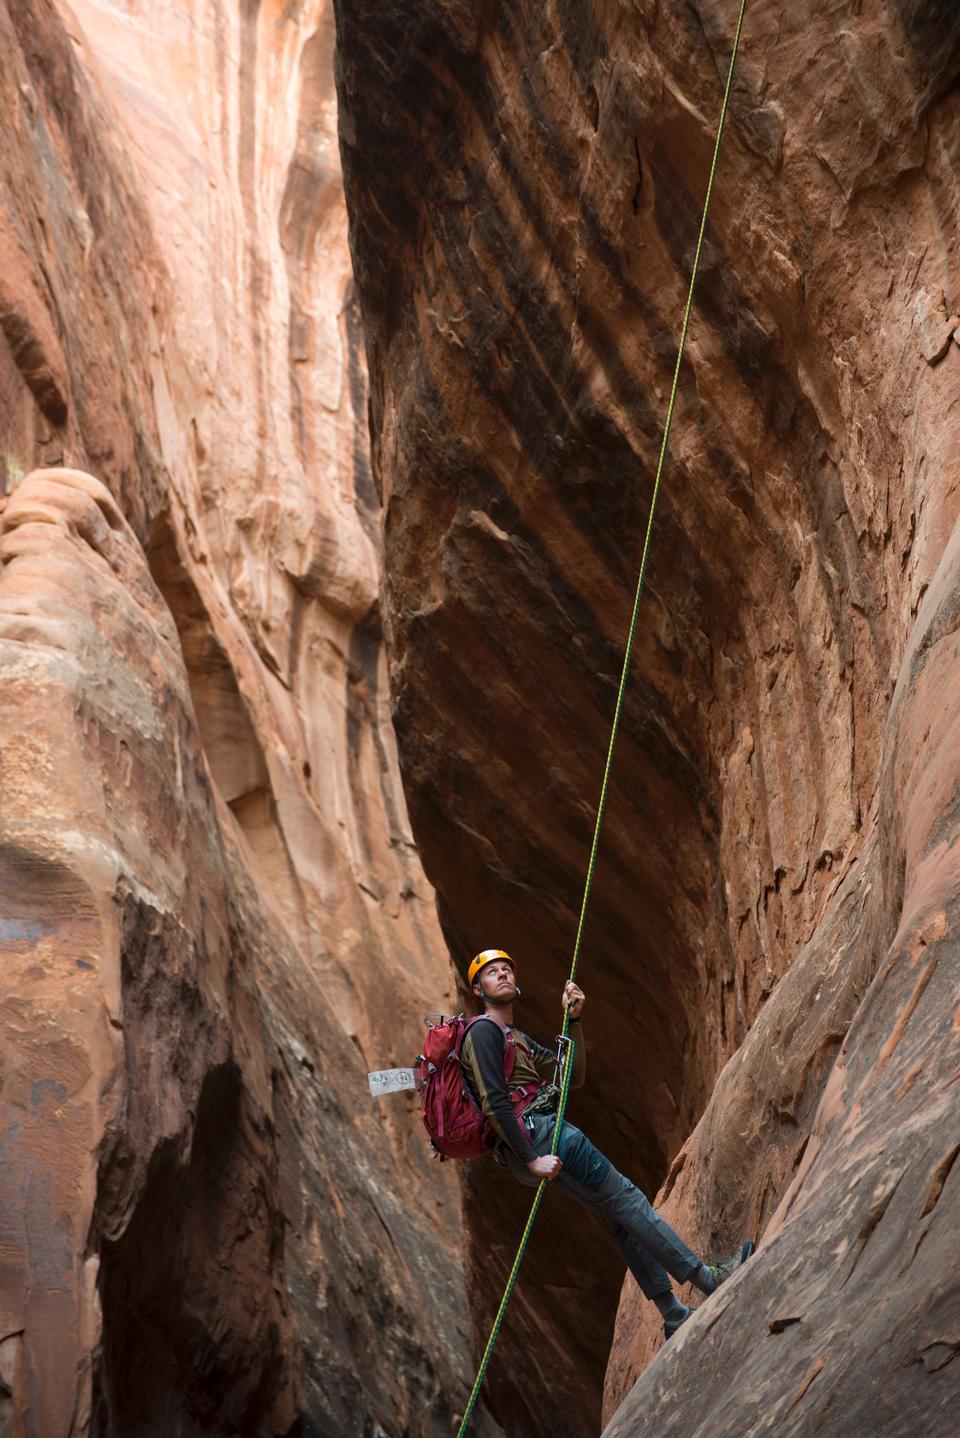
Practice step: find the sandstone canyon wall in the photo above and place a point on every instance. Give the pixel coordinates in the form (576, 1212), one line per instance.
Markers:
(772, 949)
(213, 917)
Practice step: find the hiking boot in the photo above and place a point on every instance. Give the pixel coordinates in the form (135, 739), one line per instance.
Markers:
(670, 1327)
(722, 1271)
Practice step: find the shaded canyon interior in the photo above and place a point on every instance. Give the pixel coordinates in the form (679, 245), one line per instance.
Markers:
(257, 609)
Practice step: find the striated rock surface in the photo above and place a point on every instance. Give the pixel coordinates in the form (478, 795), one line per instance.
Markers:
(140, 1162)
(212, 915)
(773, 919)
(848, 1320)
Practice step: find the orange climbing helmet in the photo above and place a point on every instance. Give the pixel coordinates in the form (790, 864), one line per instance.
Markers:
(488, 956)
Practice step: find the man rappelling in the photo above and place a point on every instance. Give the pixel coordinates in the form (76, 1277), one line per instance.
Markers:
(511, 1078)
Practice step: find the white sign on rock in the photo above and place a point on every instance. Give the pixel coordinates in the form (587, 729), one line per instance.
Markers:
(391, 1081)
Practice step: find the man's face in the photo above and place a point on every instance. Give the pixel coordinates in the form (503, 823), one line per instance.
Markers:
(496, 982)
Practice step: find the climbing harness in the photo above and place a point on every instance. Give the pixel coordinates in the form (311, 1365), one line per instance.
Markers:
(601, 806)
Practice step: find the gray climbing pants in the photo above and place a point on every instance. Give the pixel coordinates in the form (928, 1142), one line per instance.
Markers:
(648, 1245)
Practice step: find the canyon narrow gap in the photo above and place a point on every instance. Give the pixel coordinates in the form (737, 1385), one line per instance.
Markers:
(336, 343)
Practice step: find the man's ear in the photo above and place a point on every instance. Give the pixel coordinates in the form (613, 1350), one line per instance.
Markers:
(478, 991)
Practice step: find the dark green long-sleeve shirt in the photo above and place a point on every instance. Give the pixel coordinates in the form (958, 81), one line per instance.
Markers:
(482, 1061)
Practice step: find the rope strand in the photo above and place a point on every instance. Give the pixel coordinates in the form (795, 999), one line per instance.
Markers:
(615, 728)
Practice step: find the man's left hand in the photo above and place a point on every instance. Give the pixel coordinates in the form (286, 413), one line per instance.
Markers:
(573, 998)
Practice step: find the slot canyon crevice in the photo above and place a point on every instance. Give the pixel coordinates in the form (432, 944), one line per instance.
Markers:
(335, 343)
(521, 248)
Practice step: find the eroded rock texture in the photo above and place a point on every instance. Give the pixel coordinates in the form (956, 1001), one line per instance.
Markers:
(774, 907)
(213, 916)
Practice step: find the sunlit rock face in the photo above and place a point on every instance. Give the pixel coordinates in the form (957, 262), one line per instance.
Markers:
(524, 186)
(214, 917)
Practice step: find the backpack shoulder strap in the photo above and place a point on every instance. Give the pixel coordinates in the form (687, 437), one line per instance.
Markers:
(478, 1018)
(509, 1042)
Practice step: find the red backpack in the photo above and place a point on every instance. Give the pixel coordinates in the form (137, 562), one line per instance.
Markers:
(453, 1119)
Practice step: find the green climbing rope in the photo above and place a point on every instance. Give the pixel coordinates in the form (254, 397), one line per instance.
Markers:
(601, 806)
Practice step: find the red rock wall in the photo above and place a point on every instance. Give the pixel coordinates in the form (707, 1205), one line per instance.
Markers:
(214, 919)
(524, 186)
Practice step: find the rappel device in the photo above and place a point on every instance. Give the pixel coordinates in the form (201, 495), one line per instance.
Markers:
(563, 1046)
